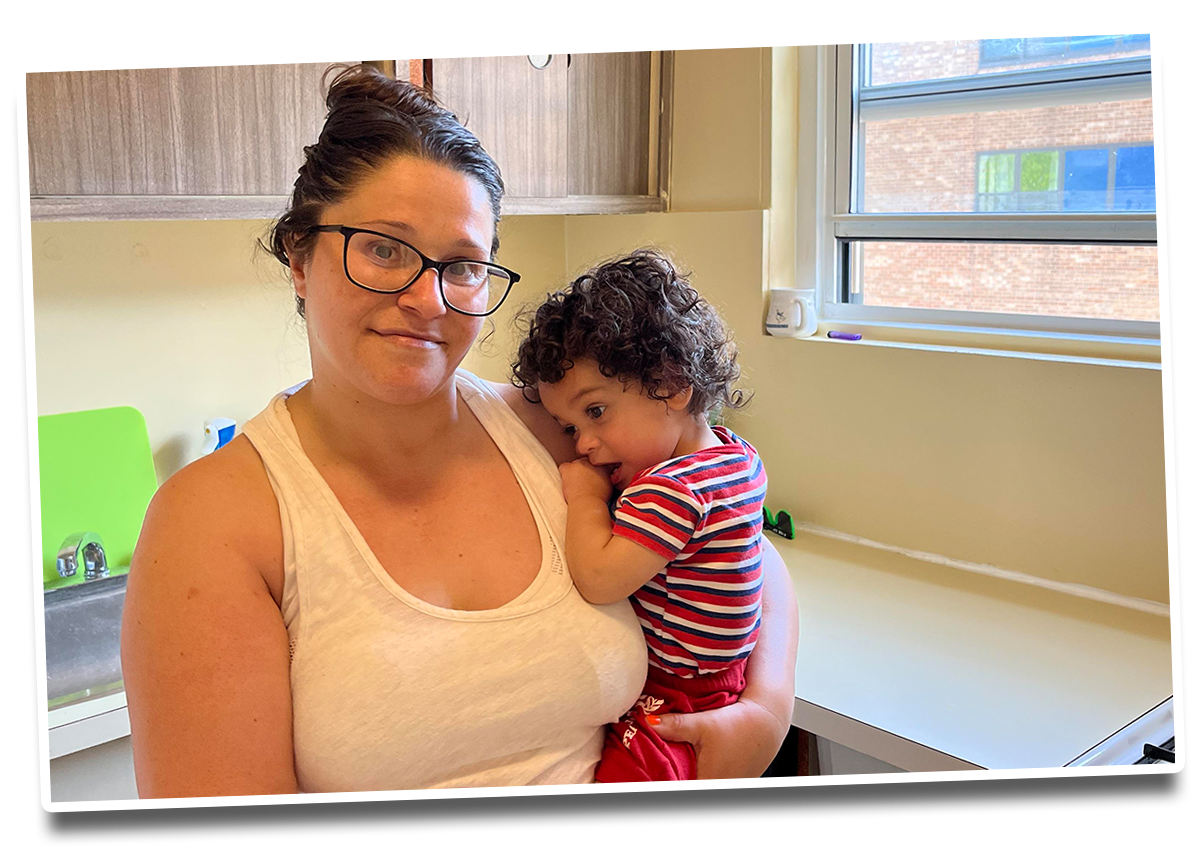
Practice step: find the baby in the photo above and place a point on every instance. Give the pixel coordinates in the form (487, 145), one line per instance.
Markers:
(631, 361)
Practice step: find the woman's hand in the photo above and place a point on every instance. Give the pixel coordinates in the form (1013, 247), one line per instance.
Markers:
(737, 741)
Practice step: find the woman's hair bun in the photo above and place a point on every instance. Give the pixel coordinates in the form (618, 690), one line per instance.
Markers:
(372, 118)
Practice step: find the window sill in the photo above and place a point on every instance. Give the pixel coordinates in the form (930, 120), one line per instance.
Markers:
(1111, 351)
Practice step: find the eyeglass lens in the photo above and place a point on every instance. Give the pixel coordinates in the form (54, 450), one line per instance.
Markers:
(382, 264)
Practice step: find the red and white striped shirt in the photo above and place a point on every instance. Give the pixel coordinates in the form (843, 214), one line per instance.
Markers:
(702, 511)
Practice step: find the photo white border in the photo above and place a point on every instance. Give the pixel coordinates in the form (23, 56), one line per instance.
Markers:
(67, 47)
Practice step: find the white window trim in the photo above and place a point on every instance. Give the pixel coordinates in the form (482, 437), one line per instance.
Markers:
(823, 215)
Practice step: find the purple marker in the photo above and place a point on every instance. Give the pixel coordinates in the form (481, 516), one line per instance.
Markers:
(845, 336)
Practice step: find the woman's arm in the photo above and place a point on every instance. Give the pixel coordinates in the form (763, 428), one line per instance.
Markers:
(740, 740)
(204, 651)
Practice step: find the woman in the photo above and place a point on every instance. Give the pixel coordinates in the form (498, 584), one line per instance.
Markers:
(365, 590)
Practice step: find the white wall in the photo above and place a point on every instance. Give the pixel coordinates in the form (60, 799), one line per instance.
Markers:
(184, 321)
(189, 320)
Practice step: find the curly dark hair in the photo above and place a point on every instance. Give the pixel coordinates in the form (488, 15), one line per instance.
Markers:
(640, 320)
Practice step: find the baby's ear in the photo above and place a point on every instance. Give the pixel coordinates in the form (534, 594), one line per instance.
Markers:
(680, 400)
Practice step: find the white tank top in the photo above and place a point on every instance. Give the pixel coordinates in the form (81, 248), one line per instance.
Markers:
(390, 692)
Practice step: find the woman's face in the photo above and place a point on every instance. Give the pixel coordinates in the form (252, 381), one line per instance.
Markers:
(396, 348)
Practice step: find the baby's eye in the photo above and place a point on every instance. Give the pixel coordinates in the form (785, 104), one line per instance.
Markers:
(569, 430)
(595, 412)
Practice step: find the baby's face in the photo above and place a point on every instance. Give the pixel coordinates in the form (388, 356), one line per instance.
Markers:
(618, 428)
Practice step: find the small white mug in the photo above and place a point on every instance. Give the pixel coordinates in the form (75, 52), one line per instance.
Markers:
(792, 312)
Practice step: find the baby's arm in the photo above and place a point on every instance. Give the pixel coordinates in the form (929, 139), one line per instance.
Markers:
(606, 569)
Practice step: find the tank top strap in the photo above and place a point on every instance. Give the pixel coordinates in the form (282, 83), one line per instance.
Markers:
(531, 462)
(297, 488)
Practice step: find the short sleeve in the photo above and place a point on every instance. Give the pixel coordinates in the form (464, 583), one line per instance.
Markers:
(660, 513)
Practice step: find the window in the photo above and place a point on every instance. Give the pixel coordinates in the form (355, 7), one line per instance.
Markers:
(1075, 179)
(993, 185)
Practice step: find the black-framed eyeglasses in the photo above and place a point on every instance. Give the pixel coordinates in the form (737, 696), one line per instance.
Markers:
(384, 264)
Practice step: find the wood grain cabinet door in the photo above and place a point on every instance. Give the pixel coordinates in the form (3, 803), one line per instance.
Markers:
(218, 131)
(576, 134)
(520, 114)
(609, 137)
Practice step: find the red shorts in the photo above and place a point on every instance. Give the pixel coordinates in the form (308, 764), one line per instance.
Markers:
(634, 752)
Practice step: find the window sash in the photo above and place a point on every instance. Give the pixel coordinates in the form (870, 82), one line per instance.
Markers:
(1025, 227)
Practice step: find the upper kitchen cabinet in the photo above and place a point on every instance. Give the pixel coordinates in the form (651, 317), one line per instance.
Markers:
(519, 113)
(579, 135)
(220, 142)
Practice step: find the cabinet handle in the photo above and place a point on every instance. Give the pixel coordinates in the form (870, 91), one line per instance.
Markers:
(541, 60)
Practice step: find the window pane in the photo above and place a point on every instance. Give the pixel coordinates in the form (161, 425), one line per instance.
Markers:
(1083, 45)
(992, 51)
(962, 161)
(1117, 282)
(1039, 171)
(1039, 182)
(1086, 180)
(996, 187)
(908, 62)
(1134, 179)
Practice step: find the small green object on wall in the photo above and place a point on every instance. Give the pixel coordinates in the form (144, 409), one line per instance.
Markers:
(780, 523)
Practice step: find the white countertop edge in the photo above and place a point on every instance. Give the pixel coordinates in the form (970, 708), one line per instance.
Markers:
(89, 732)
(1125, 746)
(70, 713)
(875, 742)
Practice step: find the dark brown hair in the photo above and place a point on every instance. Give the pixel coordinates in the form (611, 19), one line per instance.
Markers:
(371, 119)
(641, 321)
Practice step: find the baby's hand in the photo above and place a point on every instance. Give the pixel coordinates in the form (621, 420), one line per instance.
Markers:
(581, 479)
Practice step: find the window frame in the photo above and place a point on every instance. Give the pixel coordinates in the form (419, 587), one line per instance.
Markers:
(831, 227)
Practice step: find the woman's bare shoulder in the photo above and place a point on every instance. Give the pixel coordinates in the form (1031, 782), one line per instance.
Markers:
(230, 484)
(220, 504)
(540, 423)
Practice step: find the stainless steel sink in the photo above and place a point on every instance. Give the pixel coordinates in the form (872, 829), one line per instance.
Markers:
(83, 639)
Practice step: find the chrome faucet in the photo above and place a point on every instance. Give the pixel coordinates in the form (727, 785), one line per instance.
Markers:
(86, 549)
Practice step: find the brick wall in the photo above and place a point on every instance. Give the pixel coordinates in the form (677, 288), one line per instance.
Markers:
(1077, 281)
(929, 164)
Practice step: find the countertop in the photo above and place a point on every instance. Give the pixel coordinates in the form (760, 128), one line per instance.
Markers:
(930, 667)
